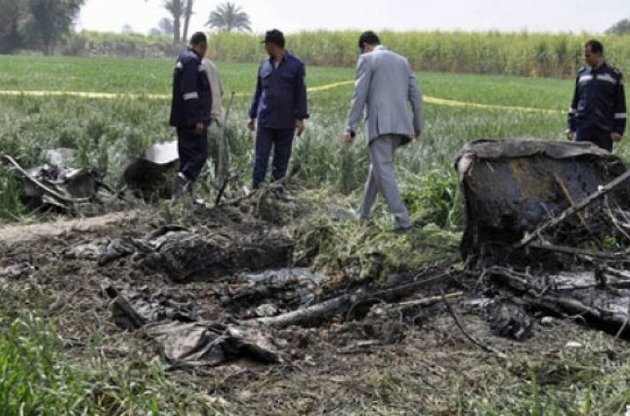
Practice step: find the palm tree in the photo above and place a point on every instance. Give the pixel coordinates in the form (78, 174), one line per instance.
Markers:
(188, 12)
(228, 16)
(176, 9)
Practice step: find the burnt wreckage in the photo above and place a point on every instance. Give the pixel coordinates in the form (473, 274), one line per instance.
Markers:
(550, 222)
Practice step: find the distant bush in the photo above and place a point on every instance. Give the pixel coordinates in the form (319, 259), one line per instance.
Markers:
(118, 44)
(622, 27)
(522, 54)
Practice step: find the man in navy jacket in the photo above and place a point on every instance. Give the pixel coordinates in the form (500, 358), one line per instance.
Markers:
(598, 109)
(278, 109)
(190, 112)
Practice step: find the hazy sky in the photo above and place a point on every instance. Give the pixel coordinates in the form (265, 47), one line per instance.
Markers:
(295, 15)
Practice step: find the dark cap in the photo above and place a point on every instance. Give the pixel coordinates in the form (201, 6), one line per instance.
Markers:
(368, 37)
(275, 36)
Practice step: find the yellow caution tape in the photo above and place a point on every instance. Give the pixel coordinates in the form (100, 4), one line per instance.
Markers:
(114, 95)
(461, 104)
(84, 94)
(329, 86)
(426, 99)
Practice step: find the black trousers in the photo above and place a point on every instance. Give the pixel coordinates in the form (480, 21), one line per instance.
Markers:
(193, 151)
(599, 137)
(282, 142)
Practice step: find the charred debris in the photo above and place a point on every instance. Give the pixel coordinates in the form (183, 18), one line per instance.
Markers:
(547, 233)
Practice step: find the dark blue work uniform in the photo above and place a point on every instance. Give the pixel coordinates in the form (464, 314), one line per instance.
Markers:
(191, 104)
(599, 105)
(280, 99)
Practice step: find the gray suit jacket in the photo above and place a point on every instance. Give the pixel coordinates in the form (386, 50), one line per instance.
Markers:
(385, 85)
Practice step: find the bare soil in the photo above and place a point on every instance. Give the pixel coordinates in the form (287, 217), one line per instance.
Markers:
(11, 234)
(383, 363)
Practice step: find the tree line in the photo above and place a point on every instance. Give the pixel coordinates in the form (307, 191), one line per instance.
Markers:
(36, 24)
(42, 24)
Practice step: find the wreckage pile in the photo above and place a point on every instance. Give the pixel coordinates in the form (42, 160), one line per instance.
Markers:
(251, 265)
(547, 231)
(548, 226)
(58, 186)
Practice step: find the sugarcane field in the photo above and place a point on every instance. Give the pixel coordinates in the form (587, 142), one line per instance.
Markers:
(154, 266)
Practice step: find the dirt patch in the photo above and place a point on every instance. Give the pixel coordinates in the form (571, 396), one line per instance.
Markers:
(11, 234)
(385, 352)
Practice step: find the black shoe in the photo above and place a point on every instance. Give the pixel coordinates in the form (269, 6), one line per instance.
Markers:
(281, 193)
(179, 187)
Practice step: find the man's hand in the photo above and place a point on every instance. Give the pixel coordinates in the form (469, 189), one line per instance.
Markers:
(417, 135)
(615, 137)
(198, 129)
(251, 124)
(570, 135)
(348, 137)
(299, 127)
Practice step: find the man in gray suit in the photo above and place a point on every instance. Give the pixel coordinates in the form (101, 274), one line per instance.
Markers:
(387, 92)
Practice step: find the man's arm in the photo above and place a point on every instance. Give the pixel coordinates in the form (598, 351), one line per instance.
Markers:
(253, 109)
(219, 83)
(301, 111)
(299, 97)
(216, 90)
(571, 123)
(415, 98)
(362, 82)
(619, 125)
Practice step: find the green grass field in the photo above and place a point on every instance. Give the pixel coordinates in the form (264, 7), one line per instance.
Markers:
(153, 76)
(109, 132)
(36, 123)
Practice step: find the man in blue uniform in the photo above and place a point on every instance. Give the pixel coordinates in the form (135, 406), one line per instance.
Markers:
(598, 109)
(278, 109)
(190, 113)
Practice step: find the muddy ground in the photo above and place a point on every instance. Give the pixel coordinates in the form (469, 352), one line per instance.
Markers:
(383, 361)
